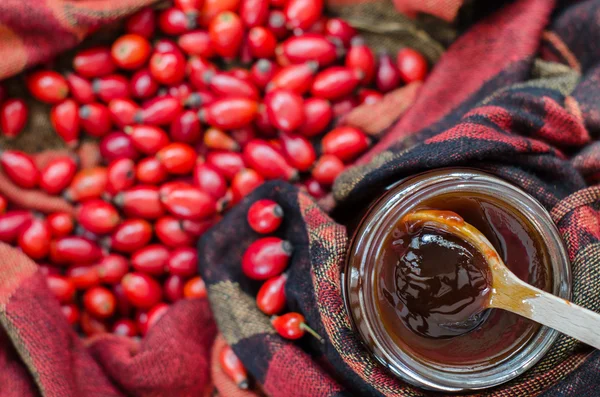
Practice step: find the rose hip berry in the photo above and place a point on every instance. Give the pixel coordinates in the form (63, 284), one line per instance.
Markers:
(266, 258)
(13, 117)
(292, 326)
(271, 296)
(265, 216)
(233, 367)
(141, 290)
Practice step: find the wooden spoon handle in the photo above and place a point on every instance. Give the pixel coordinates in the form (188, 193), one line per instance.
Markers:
(547, 309)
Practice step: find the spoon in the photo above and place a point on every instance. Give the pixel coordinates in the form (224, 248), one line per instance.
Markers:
(508, 292)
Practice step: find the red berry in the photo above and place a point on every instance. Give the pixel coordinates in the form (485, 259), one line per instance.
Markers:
(211, 8)
(243, 135)
(177, 158)
(229, 113)
(60, 223)
(147, 139)
(141, 322)
(298, 150)
(233, 367)
(141, 290)
(114, 86)
(61, 288)
(98, 216)
(20, 168)
(186, 127)
(3, 204)
(156, 313)
(327, 169)
(173, 288)
(64, 118)
(141, 201)
(143, 85)
(190, 7)
(343, 106)
(209, 180)
(92, 326)
(168, 67)
(195, 69)
(226, 33)
(123, 112)
(412, 66)
(124, 327)
(194, 288)
(80, 88)
(335, 82)
(124, 307)
(266, 257)
(58, 174)
(12, 223)
(189, 203)
(83, 276)
(301, 14)
(265, 216)
(315, 189)
(360, 58)
(112, 268)
(271, 296)
(318, 115)
(47, 86)
(94, 62)
(95, 119)
(13, 117)
(74, 249)
(262, 72)
(296, 78)
(346, 143)
(117, 145)
(291, 326)
(141, 23)
(160, 111)
(387, 77)
(170, 232)
(196, 43)
(227, 164)
(150, 171)
(226, 85)
(34, 239)
(71, 312)
(276, 24)
(254, 12)
(369, 97)
(99, 302)
(216, 139)
(309, 47)
(261, 42)
(340, 29)
(268, 162)
(285, 109)
(151, 259)
(174, 21)
(87, 184)
(183, 262)
(244, 182)
(131, 235)
(121, 175)
(130, 51)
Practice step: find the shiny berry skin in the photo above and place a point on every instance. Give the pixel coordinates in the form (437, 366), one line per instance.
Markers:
(168, 67)
(195, 69)
(225, 85)
(130, 51)
(155, 314)
(170, 232)
(254, 12)
(412, 65)
(142, 85)
(317, 117)
(335, 82)
(194, 288)
(290, 325)
(173, 288)
(95, 119)
(216, 139)
(141, 290)
(299, 152)
(124, 327)
(343, 106)
(183, 262)
(229, 113)
(160, 110)
(209, 180)
(58, 174)
(131, 235)
(265, 216)
(186, 127)
(151, 259)
(327, 168)
(276, 24)
(314, 188)
(296, 78)
(261, 42)
(80, 88)
(114, 86)
(198, 228)
(387, 76)
(83, 276)
(20, 168)
(117, 145)
(301, 14)
(227, 164)
(92, 326)
(99, 302)
(71, 313)
(61, 288)
(190, 7)
(124, 308)
(123, 112)
(74, 249)
(268, 162)
(309, 47)
(87, 184)
(369, 97)
(11, 224)
(226, 33)
(360, 57)
(141, 23)
(34, 239)
(177, 158)
(3, 204)
(141, 322)
(271, 295)
(211, 8)
(346, 143)
(189, 203)
(60, 224)
(174, 21)
(94, 62)
(340, 29)
(141, 201)
(262, 72)
(112, 268)
(13, 117)
(285, 109)
(233, 367)
(147, 139)
(98, 216)
(244, 182)
(64, 118)
(150, 171)
(196, 43)
(266, 257)
(47, 86)
(121, 175)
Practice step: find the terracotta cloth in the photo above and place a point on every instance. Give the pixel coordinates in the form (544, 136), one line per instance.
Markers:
(517, 94)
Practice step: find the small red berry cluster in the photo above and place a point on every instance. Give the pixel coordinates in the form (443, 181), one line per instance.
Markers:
(184, 134)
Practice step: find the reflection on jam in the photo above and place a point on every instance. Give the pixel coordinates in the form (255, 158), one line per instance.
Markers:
(440, 281)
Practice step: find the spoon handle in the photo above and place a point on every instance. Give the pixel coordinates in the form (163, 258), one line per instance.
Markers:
(549, 310)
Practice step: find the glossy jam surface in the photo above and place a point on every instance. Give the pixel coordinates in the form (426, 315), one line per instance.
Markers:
(427, 280)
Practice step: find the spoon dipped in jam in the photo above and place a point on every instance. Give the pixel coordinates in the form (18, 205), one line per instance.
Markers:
(450, 274)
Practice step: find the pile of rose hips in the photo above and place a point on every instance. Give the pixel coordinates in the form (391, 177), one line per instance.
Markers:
(228, 94)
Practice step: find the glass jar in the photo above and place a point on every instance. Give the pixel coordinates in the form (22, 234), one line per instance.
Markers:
(402, 357)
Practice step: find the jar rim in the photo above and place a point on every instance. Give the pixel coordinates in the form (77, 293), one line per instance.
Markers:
(409, 192)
